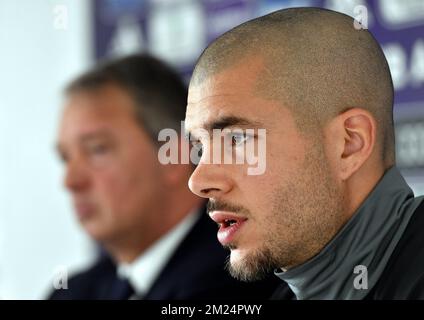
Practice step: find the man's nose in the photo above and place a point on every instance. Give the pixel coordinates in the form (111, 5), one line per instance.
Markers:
(76, 176)
(210, 181)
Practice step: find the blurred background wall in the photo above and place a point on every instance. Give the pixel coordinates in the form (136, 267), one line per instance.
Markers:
(39, 53)
(44, 43)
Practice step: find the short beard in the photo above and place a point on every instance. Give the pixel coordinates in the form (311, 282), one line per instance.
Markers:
(313, 195)
(254, 267)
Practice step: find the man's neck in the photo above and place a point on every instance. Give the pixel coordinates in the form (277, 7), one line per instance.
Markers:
(127, 249)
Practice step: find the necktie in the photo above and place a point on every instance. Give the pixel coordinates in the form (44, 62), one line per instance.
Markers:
(122, 289)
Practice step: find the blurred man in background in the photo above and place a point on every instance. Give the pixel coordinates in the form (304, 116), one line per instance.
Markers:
(331, 213)
(158, 242)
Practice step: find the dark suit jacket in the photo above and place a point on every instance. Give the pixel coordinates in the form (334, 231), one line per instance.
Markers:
(195, 271)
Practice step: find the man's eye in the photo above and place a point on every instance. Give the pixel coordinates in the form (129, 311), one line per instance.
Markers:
(63, 158)
(238, 139)
(98, 149)
(197, 145)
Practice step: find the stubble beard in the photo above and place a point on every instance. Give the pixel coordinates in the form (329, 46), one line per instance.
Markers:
(304, 218)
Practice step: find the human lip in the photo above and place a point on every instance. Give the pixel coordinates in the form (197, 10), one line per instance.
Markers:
(229, 224)
(84, 209)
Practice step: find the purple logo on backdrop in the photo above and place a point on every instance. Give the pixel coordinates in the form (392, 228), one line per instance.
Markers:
(398, 26)
(177, 31)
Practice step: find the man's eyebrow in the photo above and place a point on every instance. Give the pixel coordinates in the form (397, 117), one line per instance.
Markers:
(228, 121)
(99, 134)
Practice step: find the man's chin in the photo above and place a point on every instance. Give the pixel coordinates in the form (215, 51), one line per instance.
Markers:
(240, 254)
(97, 232)
(237, 254)
(250, 265)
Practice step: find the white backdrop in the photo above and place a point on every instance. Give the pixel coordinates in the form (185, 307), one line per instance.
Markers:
(42, 45)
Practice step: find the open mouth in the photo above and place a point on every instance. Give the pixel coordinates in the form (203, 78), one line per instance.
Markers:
(229, 225)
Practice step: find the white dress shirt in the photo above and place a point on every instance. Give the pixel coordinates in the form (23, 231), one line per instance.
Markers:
(144, 270)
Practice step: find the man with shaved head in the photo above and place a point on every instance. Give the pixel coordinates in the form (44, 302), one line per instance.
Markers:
(331, 215)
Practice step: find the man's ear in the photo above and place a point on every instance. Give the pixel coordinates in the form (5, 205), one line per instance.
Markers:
(353, 133)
